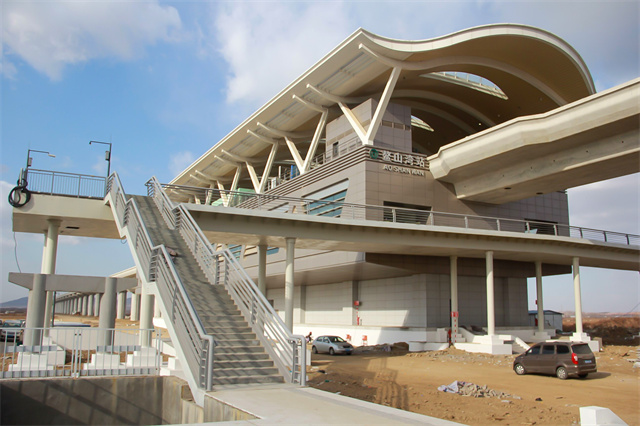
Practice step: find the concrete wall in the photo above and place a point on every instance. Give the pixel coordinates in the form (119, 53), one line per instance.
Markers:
(97, 401)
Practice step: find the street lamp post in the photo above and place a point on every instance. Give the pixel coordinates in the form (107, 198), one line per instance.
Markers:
(30, 160)
(107, 155)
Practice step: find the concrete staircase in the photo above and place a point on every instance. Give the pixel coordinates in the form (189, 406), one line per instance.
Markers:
(238, 356)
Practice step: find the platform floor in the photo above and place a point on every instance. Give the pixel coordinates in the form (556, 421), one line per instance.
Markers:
(287, 404)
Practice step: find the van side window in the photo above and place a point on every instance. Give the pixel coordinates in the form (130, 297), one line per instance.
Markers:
(562, 349)
(535, 350)
(547, 350)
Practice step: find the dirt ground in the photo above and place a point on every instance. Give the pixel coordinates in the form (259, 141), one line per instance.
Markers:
(409, 381)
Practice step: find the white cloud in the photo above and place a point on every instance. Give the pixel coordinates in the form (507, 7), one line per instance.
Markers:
(267, 45)
(180, 161)
(52, 35)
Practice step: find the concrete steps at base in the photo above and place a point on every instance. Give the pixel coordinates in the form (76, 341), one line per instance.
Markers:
(241, 380)
(243, 363)
(244, 372)
(240, 356)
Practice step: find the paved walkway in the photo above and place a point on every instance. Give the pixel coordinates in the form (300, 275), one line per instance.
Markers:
(287, 404)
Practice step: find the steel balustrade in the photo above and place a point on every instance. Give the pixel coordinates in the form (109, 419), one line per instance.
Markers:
(278, 203)
(62, 183)
(156, 266)
(287, 351)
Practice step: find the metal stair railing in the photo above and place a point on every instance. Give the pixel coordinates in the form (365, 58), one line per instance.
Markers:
(155, 264)
(287, 351)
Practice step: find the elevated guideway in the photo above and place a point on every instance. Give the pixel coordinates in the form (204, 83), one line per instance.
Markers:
(589, 140)
(226, 331)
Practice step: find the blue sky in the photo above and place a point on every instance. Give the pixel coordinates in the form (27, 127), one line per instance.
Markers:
(164, 81)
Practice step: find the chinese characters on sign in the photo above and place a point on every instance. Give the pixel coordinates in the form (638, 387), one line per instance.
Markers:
(410, 160)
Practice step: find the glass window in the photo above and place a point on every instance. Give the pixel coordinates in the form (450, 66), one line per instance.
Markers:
(547, 350)
(562, 349)
(581, 349)
(534, 350)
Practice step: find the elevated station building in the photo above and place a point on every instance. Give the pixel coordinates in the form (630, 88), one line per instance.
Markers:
(396, 191)
(483, 130)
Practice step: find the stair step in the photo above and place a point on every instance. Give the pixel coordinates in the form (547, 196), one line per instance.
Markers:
(217, 329)
(240, 356)
(232, 336)
(247, 379)
(244, 372)
(236, 345)
(241, 363)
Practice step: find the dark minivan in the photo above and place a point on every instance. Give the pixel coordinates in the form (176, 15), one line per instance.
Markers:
(563, 359)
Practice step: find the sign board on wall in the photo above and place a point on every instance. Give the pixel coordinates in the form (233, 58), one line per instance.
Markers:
(399, 162)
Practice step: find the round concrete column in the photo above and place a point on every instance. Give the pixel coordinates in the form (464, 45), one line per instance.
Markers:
(49, 263)
(147, 303)
(90, 300)
(539, 296)
(35, 311)
(577, 294)
(122, 302)
(135, 306)
(85, 305)
(96, 304)
(107, 318)
(491, 313)
(288, 283)
(453, 273)
(262, 268)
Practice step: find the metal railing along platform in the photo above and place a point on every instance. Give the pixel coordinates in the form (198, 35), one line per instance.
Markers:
(62, 183)
(80, 351)
(340, 209)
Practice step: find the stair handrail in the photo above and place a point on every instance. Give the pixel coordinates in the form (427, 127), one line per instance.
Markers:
(290, 359)
(156, 265)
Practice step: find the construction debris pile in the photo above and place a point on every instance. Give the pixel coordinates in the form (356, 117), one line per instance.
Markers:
(471, 389)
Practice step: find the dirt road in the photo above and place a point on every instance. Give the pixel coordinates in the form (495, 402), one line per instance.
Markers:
(409, 381)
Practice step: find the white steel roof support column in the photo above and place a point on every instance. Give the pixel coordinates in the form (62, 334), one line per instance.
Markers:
(382, 105)
(491, 310)
(316, 136)
(353, 121)
(315, 141)
(254, 177)
(295, 154)
(267, 168)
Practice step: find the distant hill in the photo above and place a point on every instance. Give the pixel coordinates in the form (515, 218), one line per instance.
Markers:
(18, 303)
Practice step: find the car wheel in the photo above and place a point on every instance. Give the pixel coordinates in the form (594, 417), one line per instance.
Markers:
(582, 375)
(562, 374)
(348, 353)
(331, 351)
(314, 350)
(519, 369)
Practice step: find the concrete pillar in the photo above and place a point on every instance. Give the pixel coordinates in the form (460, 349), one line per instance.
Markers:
(453, 273)
(96, 304)
(577, 294)
(491, 311)
(262, 268)
(35, 311)
(288, 283)
(90, 300)
(85, 305)
(539, 296)
(135, 305)
(122, 303)
(107, 318)
(49, 264)
(147, 303)
(157, 313)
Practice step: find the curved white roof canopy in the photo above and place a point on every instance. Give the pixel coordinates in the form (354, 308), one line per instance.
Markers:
(536, 70)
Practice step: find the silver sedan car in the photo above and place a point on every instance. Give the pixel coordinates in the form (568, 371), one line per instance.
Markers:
(331, 345)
